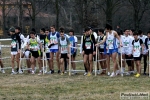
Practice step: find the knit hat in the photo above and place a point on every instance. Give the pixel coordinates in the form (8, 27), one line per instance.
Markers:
(12, 29)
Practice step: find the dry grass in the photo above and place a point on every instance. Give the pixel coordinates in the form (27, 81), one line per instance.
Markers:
(78, 87)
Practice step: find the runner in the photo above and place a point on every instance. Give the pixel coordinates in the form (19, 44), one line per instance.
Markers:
(132, 37)
(147, 43)
(64, 44)
(127, 50)
(137, 48)
(88, 50)
(27, 52)
(81, 53)
(1, 63)
(73, 41)
(53, 37)
(43, 42)
(120, 34)
(144, 53)
(47, 42)
(101, 37)
(111, 50)
(15, 48)
(18, 31)
(34, 45)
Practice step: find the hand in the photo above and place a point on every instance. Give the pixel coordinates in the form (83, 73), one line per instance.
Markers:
(121, 45)
(82, 52)
(97, 44)
(68, 56)
(129, 55)
(18, 50)
(94, 53)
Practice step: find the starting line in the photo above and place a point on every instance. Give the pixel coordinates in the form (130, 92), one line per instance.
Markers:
(95, 64)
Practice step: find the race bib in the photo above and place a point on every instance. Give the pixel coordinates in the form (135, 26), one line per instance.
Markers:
(88, 45)
(126, 44)
(42, 41)
(13, 44)
(53, 40)
(63, 48)
(136, 51)
(34, 47)
(110, 44)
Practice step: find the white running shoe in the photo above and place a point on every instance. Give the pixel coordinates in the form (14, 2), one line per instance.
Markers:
(3, 71)
(33, 73)
(49, 72)
(98, 72)
(65, 72)
(122, 70)
(73, 73)
(127, 73)
(112, 74)
(20, 72)
(108, 73)
(117, 72)
(13, 73)
(85, 74)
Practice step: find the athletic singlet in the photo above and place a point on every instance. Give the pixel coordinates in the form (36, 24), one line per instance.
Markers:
(34, 44)
(47, 43)
(148, 42)
(99, 40)
(14, 43)
(118, 45)
(63, 46)
(88, 43)
(54, 39)
(111, 41)
(42, 38)
(72, 42)
(143, 39)
(136, 49)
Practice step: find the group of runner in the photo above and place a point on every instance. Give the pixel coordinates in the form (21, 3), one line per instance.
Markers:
(50, 43)
(129, 44)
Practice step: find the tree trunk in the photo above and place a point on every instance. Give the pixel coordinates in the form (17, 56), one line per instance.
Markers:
(4, 19)
(57, 14)
(85, 14)
(33, 14)
(20, 13)
(109, 12)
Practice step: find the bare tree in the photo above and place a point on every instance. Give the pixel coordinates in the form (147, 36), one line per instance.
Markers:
(110, 7)
(34, 10)
(5, 11)
(139, 8)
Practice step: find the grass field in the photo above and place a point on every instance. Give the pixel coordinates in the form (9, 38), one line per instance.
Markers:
(77, 87)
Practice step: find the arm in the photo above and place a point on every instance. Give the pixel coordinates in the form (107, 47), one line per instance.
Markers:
(117, 36)
(58, 36)
(146, 45)
(59, 46)
(76, 40)
(142, 45)
(103, 41)
(68, 43)
(94, 41)
(40, 44)
(19, 40)
(81, 44)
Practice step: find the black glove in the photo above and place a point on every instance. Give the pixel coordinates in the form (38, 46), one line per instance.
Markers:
(51, 45)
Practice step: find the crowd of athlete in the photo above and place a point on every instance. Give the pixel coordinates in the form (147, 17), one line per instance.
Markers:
(110, 43)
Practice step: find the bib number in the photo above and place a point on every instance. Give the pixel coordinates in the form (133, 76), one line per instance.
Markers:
(88, 45)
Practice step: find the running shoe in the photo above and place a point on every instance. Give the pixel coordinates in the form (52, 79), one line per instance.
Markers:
(137, 75)
(89, 74)
(112, 74)
(13, 73)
